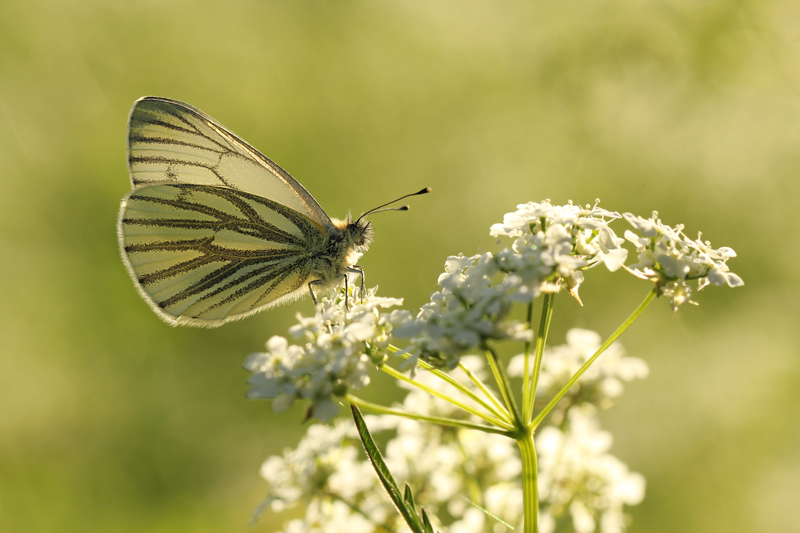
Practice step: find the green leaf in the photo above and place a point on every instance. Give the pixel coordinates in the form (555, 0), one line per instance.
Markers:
(426, 522)
(408, 496)
(408, 512)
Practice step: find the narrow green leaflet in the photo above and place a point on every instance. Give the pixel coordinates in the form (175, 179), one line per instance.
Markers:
(426, 522)
(405, 505)
(408, 496)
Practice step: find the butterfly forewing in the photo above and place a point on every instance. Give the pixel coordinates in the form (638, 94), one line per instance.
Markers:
(170, 141)
(205, 255)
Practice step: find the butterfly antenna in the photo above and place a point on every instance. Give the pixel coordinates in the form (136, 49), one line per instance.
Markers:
(378, 209)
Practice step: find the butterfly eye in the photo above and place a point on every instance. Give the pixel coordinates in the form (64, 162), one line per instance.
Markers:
(360, 232)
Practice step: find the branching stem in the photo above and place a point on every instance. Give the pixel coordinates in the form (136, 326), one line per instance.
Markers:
(608, 342)
(451, 422)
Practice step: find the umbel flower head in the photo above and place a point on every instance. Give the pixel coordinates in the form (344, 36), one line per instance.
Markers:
(580, 482)
(469, 311)
(671, 259)
(339, 345)
(452, 437)
(552, 247)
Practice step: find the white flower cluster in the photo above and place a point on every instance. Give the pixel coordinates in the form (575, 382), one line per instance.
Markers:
(468, 311)
(450, 471)
(579, 481)
(328, 461)
(331, 473)
(600, 385)
(311, 465)
(554, 244)
(340, 345)
(670, 258)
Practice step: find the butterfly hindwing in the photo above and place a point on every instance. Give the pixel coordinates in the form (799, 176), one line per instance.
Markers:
(205, 255)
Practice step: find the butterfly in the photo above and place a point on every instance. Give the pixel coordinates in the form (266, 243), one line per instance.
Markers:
(214, 231)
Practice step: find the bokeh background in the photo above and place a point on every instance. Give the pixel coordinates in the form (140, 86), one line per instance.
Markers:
(112, 421)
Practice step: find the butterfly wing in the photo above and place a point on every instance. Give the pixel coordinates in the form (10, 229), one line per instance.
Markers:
(204, 256)
(213, 230)
(170, 141)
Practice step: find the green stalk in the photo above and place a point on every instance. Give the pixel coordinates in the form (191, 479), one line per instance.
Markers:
(494, 407)
(451, 422)
(498, 410)
(402, 377)
(504, 384)
(549, 407)
(541, 341)
(530, 483)
(526, 374)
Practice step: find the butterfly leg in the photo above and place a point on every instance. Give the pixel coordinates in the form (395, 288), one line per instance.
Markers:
(358, 269)
(313, 296)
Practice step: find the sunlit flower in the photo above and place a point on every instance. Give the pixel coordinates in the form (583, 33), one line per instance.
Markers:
(450, 471)
(552, 247)
(340, 346)
(671, 259)
(470, 481)
(468, 312)
(554, 244)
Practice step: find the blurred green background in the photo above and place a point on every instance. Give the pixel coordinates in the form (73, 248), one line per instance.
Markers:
(112, 421)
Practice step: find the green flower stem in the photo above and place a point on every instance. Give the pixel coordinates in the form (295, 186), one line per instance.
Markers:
(496, 409)
(526, 375)
(451, 422)
(541, 341)
(402, 377)
(504, 385)
(530, 483)
(549, 407)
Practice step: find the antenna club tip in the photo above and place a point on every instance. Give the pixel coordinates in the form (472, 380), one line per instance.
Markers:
(383, 207)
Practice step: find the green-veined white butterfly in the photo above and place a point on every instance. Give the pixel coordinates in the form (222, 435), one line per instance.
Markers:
(214, 231)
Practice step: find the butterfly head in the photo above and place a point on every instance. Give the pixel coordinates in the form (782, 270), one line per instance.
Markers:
(357, 234)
